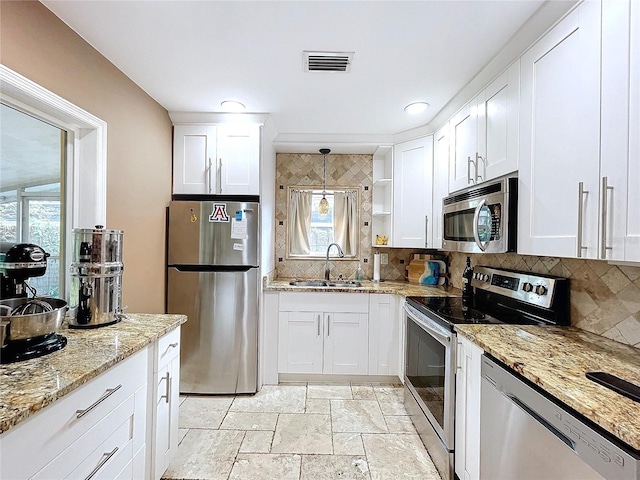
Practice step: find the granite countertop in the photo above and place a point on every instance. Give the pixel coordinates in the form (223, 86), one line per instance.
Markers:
(31, 385)
(557, 358)
(405, 289)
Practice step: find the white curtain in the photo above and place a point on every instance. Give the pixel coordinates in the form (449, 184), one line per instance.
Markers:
(300, 225)
(345, 221)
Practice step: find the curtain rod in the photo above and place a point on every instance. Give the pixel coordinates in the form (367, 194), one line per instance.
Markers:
(328, 192)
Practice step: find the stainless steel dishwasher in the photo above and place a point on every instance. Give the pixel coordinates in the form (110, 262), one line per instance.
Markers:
(525, 435)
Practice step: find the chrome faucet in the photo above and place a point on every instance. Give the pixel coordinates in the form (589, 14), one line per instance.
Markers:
(327, 269)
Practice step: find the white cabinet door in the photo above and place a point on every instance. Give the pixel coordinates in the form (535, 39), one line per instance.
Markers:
(300, 342)
(498, 109)
(412, 201)
(620, 142)
(167, 410)
(238, 160)
(463, 128)
(440, 182)
(384, 333)
(560, 138)
(467, 433)
(194, 154)
(346, 343)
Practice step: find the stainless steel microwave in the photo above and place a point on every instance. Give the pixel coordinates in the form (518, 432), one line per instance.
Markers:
(482, 218)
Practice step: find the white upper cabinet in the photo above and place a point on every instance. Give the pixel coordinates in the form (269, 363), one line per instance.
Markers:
(620, 142)
(440, 181)
(560, 139)
(412, 193)
(483, 142)
(194, 152)
(463, 144)
(497, 110)
(223, 160)
(238, 160)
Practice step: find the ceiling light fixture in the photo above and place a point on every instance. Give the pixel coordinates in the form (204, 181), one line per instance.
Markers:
(323, 205)
(416, 108)
(232, 106)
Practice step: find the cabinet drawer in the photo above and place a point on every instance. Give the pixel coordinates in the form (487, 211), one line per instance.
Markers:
(324, 302)
(98, 447)
(168, 348)
(59, 425)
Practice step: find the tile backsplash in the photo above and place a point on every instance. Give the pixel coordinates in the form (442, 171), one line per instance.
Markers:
(294, 169)
(605, 299)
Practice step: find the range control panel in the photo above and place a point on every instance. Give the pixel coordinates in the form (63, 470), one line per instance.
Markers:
(528, 287)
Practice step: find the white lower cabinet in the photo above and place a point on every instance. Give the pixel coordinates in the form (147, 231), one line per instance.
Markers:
(384, 335)
(96, 429)
(323, 333)
(166, 376)
(113, 427)
(467, 429)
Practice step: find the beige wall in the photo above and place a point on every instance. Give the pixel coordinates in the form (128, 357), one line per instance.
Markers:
(36, 44)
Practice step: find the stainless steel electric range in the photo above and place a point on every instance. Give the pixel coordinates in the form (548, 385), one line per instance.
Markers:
(500, 297)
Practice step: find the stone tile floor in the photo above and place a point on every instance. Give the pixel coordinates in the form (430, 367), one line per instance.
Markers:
(300, 432)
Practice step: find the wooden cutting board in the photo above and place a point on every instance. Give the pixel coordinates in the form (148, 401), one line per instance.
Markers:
(416, 269)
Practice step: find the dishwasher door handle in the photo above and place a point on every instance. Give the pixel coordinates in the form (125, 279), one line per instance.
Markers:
(570, 443)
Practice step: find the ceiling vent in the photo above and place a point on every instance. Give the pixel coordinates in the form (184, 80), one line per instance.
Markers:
(327, 61)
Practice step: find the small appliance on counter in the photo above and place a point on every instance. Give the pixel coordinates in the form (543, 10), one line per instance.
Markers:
(96, 277)
(28, 325)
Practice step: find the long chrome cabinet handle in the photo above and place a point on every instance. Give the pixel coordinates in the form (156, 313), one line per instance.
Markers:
(426, 230)
(167, 388)
(328, 324)
(220, 176)
(106, 458)
(318, 324)
(581, 193)
(469, 179)
(107, 394)
(605, 205)
(484, 164)
(209, 176)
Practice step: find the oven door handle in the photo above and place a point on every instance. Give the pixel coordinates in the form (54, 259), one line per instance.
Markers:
(437, 333)
(476, 233)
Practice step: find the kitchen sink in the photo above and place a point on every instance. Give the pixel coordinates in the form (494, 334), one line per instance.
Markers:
(351, 284)
(325, 283)
(309, 283)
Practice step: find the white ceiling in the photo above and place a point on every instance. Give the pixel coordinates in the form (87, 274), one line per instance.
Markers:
(191, 55)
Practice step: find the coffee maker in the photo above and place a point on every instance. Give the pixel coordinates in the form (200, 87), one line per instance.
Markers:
(28, 324)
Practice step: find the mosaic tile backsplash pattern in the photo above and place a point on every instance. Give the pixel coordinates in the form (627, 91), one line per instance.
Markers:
(342, 171)
(605, 299)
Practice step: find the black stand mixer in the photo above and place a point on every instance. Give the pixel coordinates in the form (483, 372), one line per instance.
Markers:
(28, 325)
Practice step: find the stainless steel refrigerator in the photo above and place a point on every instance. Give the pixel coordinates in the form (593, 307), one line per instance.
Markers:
(213, 274)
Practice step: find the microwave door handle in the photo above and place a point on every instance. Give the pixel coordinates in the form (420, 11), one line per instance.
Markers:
(476, 233)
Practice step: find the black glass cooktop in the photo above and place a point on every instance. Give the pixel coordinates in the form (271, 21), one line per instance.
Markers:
(457, 310)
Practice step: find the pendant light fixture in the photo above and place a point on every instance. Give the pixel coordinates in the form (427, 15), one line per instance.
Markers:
(323, 205)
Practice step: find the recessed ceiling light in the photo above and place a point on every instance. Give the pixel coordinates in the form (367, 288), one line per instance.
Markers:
(232, 106)
(417, 107)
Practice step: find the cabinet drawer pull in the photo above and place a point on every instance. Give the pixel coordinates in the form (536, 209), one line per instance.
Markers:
(209, 176)
(220, 176)
(318, 325)
(167, 391)
(173, 345)
(106, 458)
(484, 164)
(328, 324)
(107, 394)
(581, 193)
(469, 179)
